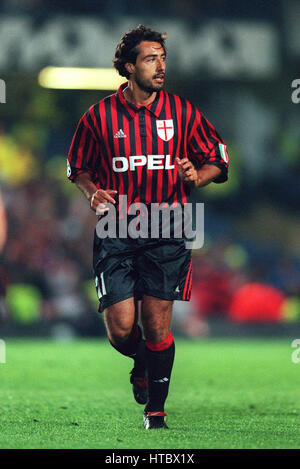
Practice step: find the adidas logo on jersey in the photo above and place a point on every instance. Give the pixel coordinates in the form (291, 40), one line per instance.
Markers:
(120, 134)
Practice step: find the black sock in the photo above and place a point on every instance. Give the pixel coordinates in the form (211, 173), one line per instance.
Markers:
(159, 360)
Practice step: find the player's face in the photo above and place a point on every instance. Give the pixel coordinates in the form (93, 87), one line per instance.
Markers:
(150, 67)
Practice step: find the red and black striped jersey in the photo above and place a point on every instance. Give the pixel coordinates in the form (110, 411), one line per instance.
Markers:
(132, 149)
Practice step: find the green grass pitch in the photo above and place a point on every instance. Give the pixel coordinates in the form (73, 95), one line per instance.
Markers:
(224, 394)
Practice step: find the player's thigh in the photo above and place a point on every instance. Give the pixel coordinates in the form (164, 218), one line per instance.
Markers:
(119, 318)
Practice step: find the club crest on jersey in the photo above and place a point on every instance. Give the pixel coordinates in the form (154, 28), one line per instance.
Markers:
(165, 129)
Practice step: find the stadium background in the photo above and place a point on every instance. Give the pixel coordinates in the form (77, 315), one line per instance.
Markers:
(236, 61)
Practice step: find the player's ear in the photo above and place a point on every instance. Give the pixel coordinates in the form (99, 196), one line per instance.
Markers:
(129, 67)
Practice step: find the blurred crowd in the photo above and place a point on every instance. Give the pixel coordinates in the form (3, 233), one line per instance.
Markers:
(177, 8)
(46, 263)
(46, 266)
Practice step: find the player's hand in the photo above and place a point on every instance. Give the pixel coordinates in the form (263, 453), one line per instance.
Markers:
(100, 198)
(187, 171)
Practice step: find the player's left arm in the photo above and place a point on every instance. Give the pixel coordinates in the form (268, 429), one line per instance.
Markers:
(194, 177)
(207, 158)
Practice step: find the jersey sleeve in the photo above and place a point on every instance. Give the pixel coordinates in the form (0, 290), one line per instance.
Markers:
(207, 147)
(83, 152)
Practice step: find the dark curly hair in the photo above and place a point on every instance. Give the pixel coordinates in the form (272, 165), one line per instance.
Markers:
(127, 49)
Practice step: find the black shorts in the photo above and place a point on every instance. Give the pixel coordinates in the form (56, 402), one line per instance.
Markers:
(126, 268)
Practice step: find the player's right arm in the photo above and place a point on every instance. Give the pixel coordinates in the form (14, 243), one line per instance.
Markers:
(83, 161)
(96, 197)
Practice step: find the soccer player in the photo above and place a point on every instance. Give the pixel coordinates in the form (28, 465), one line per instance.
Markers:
(152, 147)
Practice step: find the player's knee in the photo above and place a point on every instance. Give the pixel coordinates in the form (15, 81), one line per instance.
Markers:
(118, 324)
(155, 327)
(119, 335)
(156, 335)
(116, 332)
(156, 322)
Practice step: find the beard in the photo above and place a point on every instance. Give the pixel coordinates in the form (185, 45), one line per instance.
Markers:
(147, 85)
